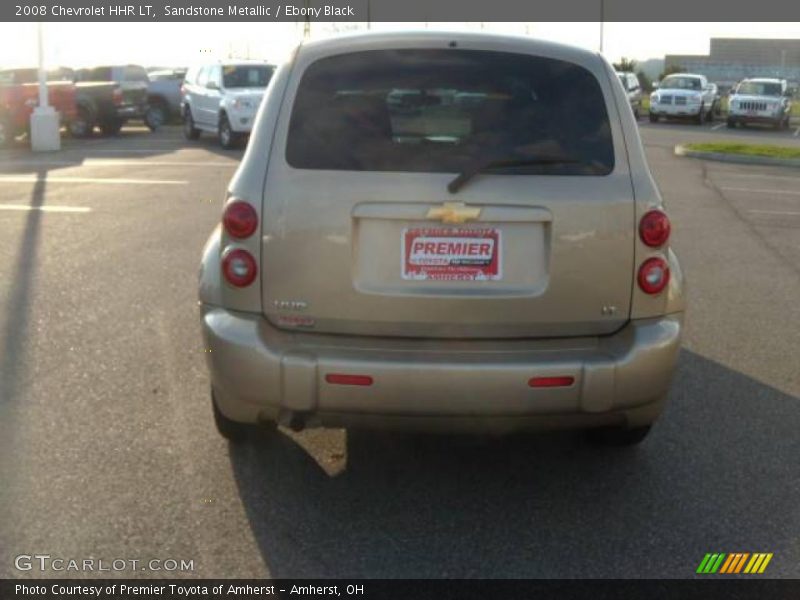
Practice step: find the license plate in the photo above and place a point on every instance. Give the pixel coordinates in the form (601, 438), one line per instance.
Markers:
(451, 254)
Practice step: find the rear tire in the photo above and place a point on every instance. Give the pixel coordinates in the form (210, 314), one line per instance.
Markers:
(190, 132)
(156, 115)
(731, 123)
(618, 436)
(653, 118)
(233, 431)
(82, 125)
(111, 127)
(227, 137)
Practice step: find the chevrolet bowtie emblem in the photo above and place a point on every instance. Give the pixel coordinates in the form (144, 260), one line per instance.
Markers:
(454, 212)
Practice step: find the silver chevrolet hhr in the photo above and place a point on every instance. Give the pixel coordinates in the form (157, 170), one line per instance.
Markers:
(442, 231)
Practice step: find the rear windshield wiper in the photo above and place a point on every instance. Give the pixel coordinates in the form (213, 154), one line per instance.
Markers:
(488, 165)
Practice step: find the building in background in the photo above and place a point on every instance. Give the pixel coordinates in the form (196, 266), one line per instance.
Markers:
(733, 59)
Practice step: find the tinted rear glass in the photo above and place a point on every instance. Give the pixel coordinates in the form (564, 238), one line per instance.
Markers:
(244, 76)
(445, 110)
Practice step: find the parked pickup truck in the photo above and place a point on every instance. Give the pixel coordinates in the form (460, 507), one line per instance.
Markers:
(19, 95)
(684, 95)
(108, 97)
(765, 101)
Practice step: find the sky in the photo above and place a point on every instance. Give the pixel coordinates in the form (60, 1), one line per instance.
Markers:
(179, 44)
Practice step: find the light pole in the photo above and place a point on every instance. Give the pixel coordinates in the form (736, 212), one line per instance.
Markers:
(602, 20)
(45, 129)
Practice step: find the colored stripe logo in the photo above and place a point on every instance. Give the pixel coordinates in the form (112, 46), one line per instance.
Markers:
(734, 563)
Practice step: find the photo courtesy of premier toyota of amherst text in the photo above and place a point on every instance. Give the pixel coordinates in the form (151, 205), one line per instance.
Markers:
(362, 299)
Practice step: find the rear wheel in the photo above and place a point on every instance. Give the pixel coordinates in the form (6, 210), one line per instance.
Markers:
(226, 135)
(111, 127)
(156, 115)
(82, 124)
(731, 123)
(618, 436)
(653, 118)
(190, 132)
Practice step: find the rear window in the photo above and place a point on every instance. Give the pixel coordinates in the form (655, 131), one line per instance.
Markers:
(447, 110)
(245, 76)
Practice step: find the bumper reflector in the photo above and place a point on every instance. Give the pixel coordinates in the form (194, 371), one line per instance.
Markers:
(540, 382)
(343, 379)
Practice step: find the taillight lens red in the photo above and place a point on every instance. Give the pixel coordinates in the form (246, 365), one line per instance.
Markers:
(653, 275)
(239, 267)
(240, 219)
(654, 228)
(558, 381)
(347, 379)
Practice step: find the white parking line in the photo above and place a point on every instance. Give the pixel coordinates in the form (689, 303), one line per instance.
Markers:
(54, 209)
(48, 179)
(752, 191)
(776, 212)
(717, 126)
(797, 132)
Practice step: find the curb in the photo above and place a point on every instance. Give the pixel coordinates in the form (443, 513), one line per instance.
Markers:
(741, 159)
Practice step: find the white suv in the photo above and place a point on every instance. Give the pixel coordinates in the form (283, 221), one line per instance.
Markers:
(760, 101)
(223, 99)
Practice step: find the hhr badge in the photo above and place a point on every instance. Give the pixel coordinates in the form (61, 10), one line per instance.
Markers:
(290, 304)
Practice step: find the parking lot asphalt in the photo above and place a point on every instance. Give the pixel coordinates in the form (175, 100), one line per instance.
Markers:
(108, 450)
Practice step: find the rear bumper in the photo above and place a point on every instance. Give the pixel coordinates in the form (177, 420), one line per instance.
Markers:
(263, 373)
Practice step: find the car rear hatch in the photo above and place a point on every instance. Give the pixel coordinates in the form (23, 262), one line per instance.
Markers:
(362, 236)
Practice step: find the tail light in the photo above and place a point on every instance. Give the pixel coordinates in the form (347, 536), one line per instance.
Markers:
(240, 219)
(116, 96)
(653, 275)
(239, 267)
(654, 228)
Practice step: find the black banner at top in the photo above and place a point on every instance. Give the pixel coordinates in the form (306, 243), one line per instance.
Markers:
(399, 10)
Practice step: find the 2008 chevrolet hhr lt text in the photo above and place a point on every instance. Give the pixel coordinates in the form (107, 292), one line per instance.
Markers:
(442, 231)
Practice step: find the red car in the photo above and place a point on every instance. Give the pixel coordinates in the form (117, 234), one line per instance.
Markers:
(19, 95)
